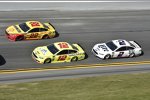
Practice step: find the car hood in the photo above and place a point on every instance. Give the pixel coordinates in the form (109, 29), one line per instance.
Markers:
(14, 29)
(101, 48)
(42, 51)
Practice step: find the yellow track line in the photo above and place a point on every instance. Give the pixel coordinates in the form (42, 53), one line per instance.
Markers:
(74, 67)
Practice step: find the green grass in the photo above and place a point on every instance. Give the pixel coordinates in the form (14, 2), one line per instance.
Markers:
(115, 87)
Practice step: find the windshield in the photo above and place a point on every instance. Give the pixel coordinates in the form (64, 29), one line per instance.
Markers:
(52, 48)
(24, 27)
(111, 45)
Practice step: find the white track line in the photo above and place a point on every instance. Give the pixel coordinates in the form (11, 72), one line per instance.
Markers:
(67, 1)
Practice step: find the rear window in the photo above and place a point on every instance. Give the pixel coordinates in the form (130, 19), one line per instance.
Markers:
(24, 27)
(52, 48)
(45, 26)
(74, 47)
(131, 44)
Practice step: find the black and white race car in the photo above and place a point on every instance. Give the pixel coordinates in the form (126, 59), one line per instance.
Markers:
(117, 49)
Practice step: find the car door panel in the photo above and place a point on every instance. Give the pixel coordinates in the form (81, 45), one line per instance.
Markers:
(121, 52)
(33, 33)
(61, 56)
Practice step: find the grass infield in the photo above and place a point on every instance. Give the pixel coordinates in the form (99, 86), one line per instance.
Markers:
(114, 87)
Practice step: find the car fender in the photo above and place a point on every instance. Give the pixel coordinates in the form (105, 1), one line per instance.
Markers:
(137, 51)
(14, 36)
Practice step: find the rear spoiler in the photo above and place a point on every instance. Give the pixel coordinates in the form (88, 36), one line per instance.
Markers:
(51, 25)
(137, 45)
(79, 47)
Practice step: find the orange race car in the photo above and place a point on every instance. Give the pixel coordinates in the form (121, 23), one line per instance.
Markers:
(30, 30)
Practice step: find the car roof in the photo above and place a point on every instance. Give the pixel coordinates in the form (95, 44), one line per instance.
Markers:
(63, 46)
(121, 42)
(34, 24)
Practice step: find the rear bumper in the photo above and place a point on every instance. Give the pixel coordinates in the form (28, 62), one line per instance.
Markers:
(138, 44)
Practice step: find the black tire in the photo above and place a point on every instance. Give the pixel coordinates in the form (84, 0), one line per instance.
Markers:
(19, 38)
(142, 53)
(45, 37)
(131, 55)
(48, 60)
(107, 56)
(74, 59)
(56, 34)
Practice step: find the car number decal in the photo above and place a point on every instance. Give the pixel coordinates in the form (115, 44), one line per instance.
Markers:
(63, 45)
(120, 54)
(33, 24)
(33, 35)
(63, 57)
(121, 42)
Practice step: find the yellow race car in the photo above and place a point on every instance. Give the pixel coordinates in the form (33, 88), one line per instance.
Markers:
(30, 30)
(58, 52)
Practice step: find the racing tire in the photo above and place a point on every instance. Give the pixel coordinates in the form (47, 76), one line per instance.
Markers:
(131, 55)
(107, 56)
(45, 37)
(74, 59)
(19, 38)
(48, 60)
(142, 53)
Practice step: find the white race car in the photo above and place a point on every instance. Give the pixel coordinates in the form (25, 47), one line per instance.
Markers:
(117, 49)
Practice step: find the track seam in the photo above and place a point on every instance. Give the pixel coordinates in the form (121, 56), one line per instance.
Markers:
(74, 67)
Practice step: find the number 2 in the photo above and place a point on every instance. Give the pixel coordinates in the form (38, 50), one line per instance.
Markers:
(120, 54)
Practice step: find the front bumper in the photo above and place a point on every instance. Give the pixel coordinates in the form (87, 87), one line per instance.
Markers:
(10, 36)
(97, 55)
(36, 58)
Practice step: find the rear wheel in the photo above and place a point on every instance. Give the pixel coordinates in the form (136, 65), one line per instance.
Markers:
(48, 60)
(131, 55)
(74, 59)
(19, 38)
(142, 53)
(107, 56)
(45, 37)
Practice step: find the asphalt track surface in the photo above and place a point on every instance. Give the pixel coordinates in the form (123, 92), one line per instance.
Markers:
(84, 27)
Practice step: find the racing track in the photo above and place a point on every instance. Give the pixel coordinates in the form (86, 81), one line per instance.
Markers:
(84, 27)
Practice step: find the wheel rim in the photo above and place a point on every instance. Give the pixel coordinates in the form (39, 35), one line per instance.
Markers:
(47, 61)
(74, 59)
(19, 38)
(131, 55)
(107, 57)
(46, 37)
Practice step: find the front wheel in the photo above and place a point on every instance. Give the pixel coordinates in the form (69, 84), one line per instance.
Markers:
(19, 38)
(131, 55)
(74, 59)
(45, 37)
(107, 56)
(48, 60)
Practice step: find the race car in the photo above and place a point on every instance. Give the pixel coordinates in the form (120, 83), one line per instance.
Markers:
(58, 52)
(30, 30)
(117, 49)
